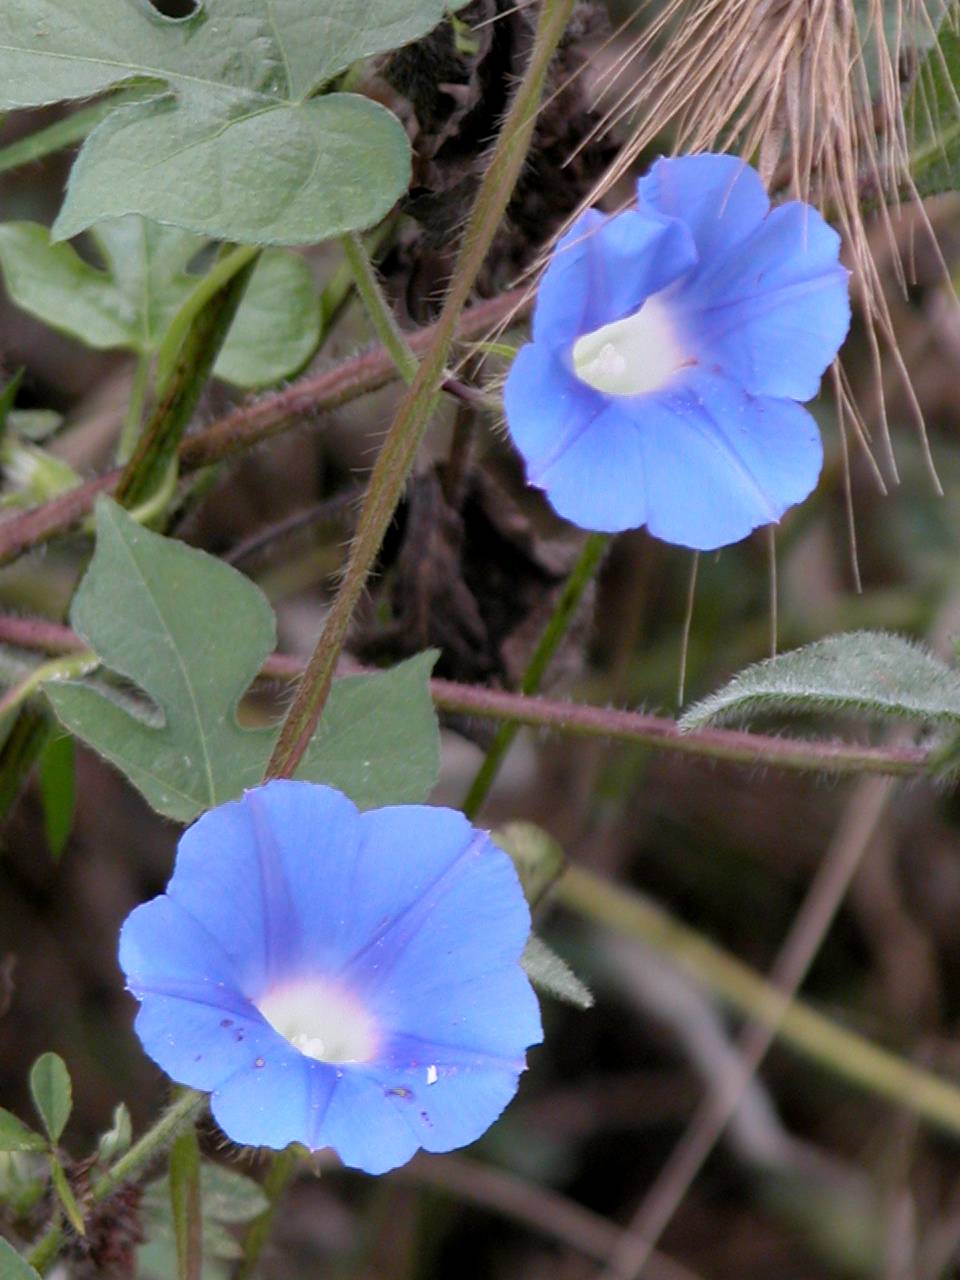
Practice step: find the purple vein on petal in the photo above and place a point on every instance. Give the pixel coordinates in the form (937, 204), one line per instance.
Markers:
(407, 923)
(282, 936)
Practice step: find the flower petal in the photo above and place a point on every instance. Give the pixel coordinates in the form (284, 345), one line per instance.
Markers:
(719, 463)
(456, 1109)
(721, 199)
(605, 267)
(246, 870)
(546, 406)
(597, 477)
(283, 1100)
(773, 313)
(203, 1045)
(414, 873)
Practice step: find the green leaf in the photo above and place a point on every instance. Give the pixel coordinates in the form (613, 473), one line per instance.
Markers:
(192, 633)
(13, 1266)
(51, 1093)
(538, 858)
(867, 673)
(58, 791)
(118, 1137)
(238, 146)
(185, 1205)
(550, 974)
(130, 302)
(933, 114)
(227, 1197)
(15, 1136)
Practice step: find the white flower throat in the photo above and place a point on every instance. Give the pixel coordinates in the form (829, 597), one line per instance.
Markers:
(631, 356)
(321, 1022)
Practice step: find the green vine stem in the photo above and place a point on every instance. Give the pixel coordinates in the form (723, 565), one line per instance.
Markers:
(403, 439)
(254, 422)
(133, 418)
(735, 746)
(378, 309)
(587, 564)
(210, 311)
(841, 1052)
(182, 1112)
(283, 1169)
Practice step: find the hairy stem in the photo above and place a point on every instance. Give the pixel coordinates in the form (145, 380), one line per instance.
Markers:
(580, 578)
(378, 309)
(254, 422)
(735, 746)
(403, 439)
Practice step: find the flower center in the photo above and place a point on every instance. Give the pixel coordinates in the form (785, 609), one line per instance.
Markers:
(321, 1022)
(631, 356)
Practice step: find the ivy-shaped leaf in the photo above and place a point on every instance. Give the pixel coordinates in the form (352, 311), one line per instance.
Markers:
(234, 145)
(130, 302)
(866, 673)
(191, 633)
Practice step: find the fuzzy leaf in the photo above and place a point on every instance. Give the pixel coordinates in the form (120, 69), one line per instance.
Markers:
(52, 1093)
(553, 976)
(866, 673)
(238, 146)
(191, 633)
(130, 302)
(15, 1136)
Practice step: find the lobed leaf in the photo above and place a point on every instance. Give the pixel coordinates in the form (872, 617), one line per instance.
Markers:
(867, 673)
(191, 633)
(238, 147)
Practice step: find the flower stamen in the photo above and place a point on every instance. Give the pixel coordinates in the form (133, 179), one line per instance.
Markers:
(632, 356)
(321, 1021)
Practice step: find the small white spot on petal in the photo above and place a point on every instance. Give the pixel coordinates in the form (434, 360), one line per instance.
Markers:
(432, 1075)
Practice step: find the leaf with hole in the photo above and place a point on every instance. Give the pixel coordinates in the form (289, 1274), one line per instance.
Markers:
(863, 673)
(235, 144)
(129, 300)
(191, 633)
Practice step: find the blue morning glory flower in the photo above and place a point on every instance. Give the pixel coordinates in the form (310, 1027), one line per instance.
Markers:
(671, 346)
(335, 978)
